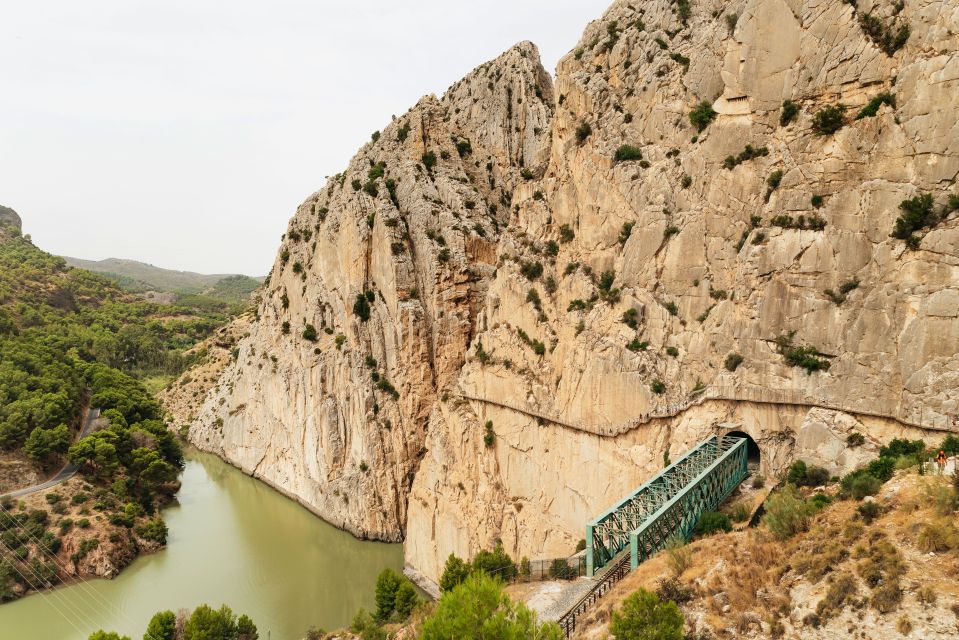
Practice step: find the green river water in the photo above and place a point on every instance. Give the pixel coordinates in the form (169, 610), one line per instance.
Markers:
(235, 541)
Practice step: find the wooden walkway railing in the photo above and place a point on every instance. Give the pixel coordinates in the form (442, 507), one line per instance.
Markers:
(733, 394)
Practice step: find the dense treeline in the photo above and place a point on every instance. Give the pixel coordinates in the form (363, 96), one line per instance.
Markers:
(63, 330)
(205, 623)
(71, 339)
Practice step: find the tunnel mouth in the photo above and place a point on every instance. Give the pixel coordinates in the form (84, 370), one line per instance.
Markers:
(753, 454)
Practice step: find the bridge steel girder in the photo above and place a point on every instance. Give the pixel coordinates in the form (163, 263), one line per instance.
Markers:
(610, 533)
(679, 516)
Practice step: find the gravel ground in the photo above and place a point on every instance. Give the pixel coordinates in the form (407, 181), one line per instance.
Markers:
(550, 600)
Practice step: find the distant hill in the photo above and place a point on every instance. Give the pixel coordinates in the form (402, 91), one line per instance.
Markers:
(9, 217)
(139, 277)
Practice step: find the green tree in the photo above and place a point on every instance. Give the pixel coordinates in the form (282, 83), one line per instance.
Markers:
(495, 563)
(245, 629)
(644, 616)
(207, 623)
(454, 573)
(478, 609)
(162, 627)
(406, 599)
(44, 444)
(387, 584)
(103, 635)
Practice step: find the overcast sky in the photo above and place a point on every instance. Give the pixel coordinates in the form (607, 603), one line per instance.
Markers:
(184, 133)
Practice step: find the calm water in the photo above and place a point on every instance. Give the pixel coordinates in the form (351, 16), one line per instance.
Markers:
(233, 541)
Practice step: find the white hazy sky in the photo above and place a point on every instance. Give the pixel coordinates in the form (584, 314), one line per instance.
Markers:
(184, 133)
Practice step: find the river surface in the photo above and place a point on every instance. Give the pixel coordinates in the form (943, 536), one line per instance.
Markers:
(233, 540)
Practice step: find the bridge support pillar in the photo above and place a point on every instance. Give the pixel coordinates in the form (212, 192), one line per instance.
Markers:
(590, 569)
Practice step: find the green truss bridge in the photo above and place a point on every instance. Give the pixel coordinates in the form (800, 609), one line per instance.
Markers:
(667, 506)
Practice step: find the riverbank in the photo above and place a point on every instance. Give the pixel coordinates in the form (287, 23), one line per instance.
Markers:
(231, 540)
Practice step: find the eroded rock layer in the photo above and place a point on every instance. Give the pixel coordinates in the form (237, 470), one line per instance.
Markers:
(583, 252)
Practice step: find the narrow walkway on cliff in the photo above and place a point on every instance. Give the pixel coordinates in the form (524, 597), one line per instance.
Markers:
(667, 506)
(917, 418)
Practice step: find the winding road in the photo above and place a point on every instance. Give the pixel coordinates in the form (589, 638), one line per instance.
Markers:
(68, 470)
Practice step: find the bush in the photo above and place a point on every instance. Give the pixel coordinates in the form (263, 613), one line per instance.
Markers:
(701, 115)
(628, 152)
(869, 511)
(429, 160)
(899, 447)
(917, 213)
(672, 590)
(495, 563)
(583, 131)
(488, 433)
(828, 120)
(643, 616)
(860, 484)
(361, 307)
(733, 360)
(713, 522)
(561, 570)
(309, 333)
(658, 386)
(789, 112)
(938, 537)
(787, 513)
(531, 270)
(842, 590)
(748, 153)
(478, 609)
(678, 555)
(803, 476)
(872, 107)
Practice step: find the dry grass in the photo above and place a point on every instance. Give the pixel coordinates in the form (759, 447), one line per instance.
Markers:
(843, 563)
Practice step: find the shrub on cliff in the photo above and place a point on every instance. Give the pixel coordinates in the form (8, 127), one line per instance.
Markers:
(628, 152)
(828, 120)
(789, 112)
(701, 115)
(644, 616)
(361, 307)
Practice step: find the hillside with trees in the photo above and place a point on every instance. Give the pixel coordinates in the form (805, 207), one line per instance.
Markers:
(72, 340)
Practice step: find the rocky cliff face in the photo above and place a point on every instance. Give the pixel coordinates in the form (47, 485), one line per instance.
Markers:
(517, 299)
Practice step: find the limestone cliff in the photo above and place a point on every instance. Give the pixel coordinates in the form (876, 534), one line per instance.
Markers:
(603, 283)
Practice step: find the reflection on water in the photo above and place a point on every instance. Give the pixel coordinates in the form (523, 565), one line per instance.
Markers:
(234, 541)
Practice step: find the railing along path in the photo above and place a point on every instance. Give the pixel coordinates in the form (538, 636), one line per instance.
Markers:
(733, 394)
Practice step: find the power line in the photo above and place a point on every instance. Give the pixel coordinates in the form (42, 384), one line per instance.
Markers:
(83, 587)
(48, 598)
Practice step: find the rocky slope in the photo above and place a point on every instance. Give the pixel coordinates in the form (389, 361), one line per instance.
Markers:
(503, 248)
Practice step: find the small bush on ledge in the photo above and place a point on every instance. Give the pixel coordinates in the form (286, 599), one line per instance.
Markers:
(701, 115)
(628, 152)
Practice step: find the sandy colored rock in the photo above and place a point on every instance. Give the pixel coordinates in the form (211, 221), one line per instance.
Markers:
(480, 225)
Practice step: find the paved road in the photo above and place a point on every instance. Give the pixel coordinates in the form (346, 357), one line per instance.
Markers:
(68, 470)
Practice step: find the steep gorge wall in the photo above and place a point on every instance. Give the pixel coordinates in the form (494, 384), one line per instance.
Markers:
(703, 269)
